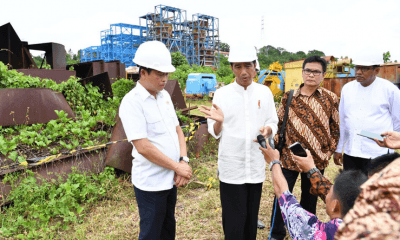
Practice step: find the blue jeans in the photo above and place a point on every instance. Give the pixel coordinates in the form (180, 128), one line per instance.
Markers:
(157, 213)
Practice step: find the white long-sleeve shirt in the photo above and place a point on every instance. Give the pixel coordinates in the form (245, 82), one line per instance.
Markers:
(245, 112)
(375, 109)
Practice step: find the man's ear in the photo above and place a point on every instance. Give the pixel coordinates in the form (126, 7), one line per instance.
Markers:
(336, 208)
(376, 70)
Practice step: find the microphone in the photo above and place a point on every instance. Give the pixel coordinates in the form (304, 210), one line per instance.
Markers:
(261, 141)
(271, 142)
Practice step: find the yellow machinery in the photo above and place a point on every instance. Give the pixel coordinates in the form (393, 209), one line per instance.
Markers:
(270, 78)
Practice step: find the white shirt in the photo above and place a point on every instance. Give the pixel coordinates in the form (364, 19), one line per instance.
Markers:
(144, 116)
(375, 109)
(245, 112)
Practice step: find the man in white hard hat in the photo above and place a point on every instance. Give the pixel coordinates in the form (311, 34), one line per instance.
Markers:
(241, 111)
(160, 161)
(368, 104)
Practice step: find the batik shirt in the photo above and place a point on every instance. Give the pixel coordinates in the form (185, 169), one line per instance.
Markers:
(312, 121)
(302, 224)
(376, 212)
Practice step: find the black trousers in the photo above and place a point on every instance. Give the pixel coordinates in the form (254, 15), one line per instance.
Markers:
(355, 163)
(157, 213)
(240, 205)
(308, 201)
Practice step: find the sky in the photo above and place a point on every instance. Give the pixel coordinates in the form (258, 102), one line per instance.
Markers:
(360, 29)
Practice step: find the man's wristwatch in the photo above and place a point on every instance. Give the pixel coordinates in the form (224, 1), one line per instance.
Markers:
(311, 171)
(184, 158)
(274, 162)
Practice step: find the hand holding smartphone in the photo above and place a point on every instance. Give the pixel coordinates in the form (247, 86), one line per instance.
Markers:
(298, 150)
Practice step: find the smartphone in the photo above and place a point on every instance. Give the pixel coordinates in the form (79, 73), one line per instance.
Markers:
(370, 135)
(298, 150)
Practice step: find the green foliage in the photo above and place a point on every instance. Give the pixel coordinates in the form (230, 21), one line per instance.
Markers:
(178, 59)
(42, 209)
(93, 116)
(269, 54)
(386, 57)
(224, 47)
(72, 58)
(121, 87)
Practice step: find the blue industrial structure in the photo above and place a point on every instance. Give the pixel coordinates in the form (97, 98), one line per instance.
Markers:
(201, 83)
(197, 40)
(120, 42)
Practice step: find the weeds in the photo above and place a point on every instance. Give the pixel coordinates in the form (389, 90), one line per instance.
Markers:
(42, 209)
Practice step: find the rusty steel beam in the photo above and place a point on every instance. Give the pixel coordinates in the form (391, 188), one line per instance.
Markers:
(172, 87)
(56, 75)
(54, 53)
(336, 84)
(31, 105)
(102, 81)
(84, 161)
(119, 155)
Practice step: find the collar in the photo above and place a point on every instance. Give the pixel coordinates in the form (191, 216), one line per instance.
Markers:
(297, 92)
(239, 88)
(144, 94)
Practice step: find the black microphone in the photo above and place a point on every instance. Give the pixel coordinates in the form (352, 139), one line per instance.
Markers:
(271, 143)
(261, 141)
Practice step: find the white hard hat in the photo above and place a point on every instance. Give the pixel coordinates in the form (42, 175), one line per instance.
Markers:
(242, 53)
(154, 55)
(257, 65)
(366, 62)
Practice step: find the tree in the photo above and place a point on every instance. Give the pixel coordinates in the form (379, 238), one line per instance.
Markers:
(71, 58)
(386, 57)
(178, 59)
(315, 52)
(224, 47)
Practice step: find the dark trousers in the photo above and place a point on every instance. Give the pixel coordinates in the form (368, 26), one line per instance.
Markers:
(240, 204)
(308, 201)
(355, 163)
(157, 213)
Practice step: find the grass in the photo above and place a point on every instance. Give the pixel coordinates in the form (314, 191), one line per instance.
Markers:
(191, 103)
(198, 210)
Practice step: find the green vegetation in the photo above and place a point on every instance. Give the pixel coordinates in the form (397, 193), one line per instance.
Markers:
(39, 211)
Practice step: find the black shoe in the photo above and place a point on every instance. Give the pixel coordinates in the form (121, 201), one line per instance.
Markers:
(260, 224)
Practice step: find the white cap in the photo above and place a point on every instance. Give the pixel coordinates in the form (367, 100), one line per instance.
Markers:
(366, 62)
(242, 53)
(154, 55)
(257, 65)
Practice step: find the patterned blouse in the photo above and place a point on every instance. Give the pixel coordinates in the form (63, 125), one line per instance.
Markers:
(376, 212)
(314, 122)
(303, 225)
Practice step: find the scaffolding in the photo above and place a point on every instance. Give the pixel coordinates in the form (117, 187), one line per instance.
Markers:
(197, 40)
(205, 31)
(120, 42)
(167, 25)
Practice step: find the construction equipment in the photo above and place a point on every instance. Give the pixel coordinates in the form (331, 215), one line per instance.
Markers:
(201, 84)
(274, 78)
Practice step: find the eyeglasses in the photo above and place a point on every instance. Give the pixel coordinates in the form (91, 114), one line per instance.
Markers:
(363, 69)
(314, 72)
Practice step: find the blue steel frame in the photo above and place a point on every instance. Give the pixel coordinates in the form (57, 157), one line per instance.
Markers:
(197, 40)
(120, 42)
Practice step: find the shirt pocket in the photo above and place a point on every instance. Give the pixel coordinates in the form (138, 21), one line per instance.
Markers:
(155, 125)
